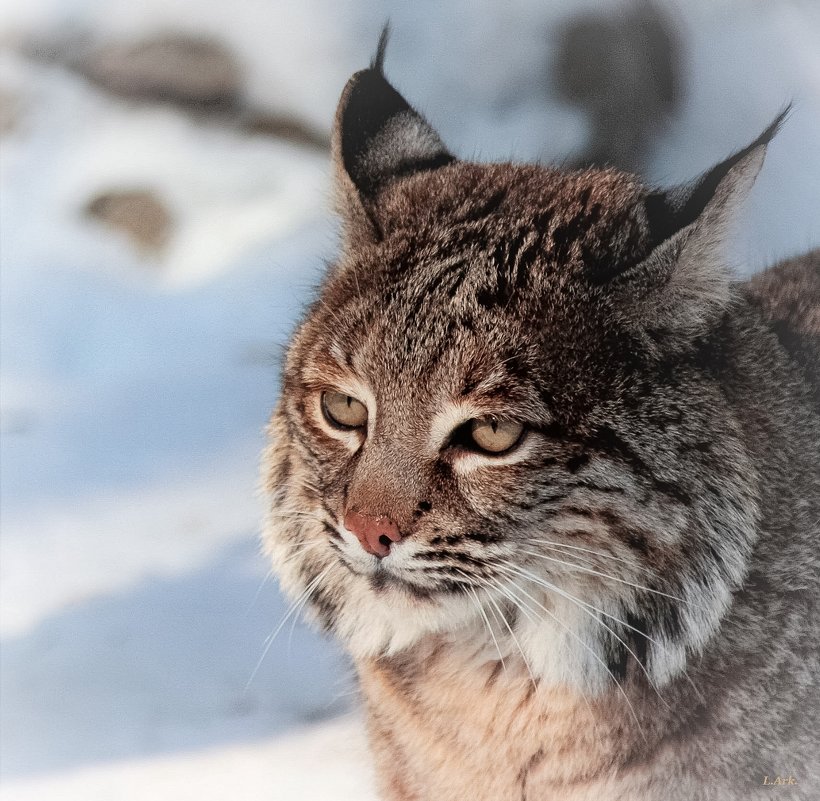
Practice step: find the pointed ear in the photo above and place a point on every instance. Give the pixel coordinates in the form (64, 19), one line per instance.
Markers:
(682, 288)
(377, 138)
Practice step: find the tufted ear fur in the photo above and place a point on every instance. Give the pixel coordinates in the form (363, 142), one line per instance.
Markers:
(377, 138)
(681, 289)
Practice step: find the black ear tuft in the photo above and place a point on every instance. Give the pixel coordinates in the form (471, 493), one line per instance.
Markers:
(377, 138)
(672, 210)
(377, 63)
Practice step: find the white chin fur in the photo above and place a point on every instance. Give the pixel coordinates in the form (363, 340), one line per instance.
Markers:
(380, 624)
(561, 646)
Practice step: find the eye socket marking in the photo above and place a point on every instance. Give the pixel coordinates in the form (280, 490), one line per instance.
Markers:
(343, 411)
(489, 435)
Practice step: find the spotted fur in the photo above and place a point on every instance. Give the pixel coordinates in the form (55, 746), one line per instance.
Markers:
(624, 606)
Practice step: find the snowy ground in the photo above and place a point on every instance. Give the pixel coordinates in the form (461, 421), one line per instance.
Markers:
(134, 605)
(324, 762)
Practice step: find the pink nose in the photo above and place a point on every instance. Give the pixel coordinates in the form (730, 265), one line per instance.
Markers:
(375, 533)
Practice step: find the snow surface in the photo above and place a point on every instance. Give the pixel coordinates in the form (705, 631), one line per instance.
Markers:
(327, 762)
(134, 605)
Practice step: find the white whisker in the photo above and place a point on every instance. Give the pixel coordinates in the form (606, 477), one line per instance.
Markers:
(624, 623)
(591, 652)
(255, 598)
(519, 604)
(658, 643)
(486, 622)
(301, 549)
(582, 569)
(296, 605)
(296, 515)
(512, 633)
(602, 554)
(581, 605)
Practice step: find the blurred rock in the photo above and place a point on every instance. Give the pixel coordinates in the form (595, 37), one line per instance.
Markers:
(11, 106)
(138, 213)
(280, 126)
(623, 70)
(70, 46)
(198, 76)
(171, 67)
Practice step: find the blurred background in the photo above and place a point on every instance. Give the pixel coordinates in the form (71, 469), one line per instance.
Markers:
(164, 215)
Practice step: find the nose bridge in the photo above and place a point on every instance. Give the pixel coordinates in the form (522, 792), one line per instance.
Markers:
(388, 481)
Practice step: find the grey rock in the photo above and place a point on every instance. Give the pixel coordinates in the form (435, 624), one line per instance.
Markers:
(171, 67)
(623, 69)
(138, 213)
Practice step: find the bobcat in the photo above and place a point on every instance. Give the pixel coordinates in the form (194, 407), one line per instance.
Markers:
(551, 476)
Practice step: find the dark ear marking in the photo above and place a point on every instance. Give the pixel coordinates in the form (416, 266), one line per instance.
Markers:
(669, 211)
(682, 287)
(383, 138)
(378, 138)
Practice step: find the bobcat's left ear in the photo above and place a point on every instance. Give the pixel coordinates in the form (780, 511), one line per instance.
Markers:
(683, 286)
(377, 138)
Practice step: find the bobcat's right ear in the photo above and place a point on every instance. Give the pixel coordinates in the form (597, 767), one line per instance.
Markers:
(683, 287)
(377, 138)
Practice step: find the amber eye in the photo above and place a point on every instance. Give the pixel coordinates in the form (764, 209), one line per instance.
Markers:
(343, 411)
(494, 435)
